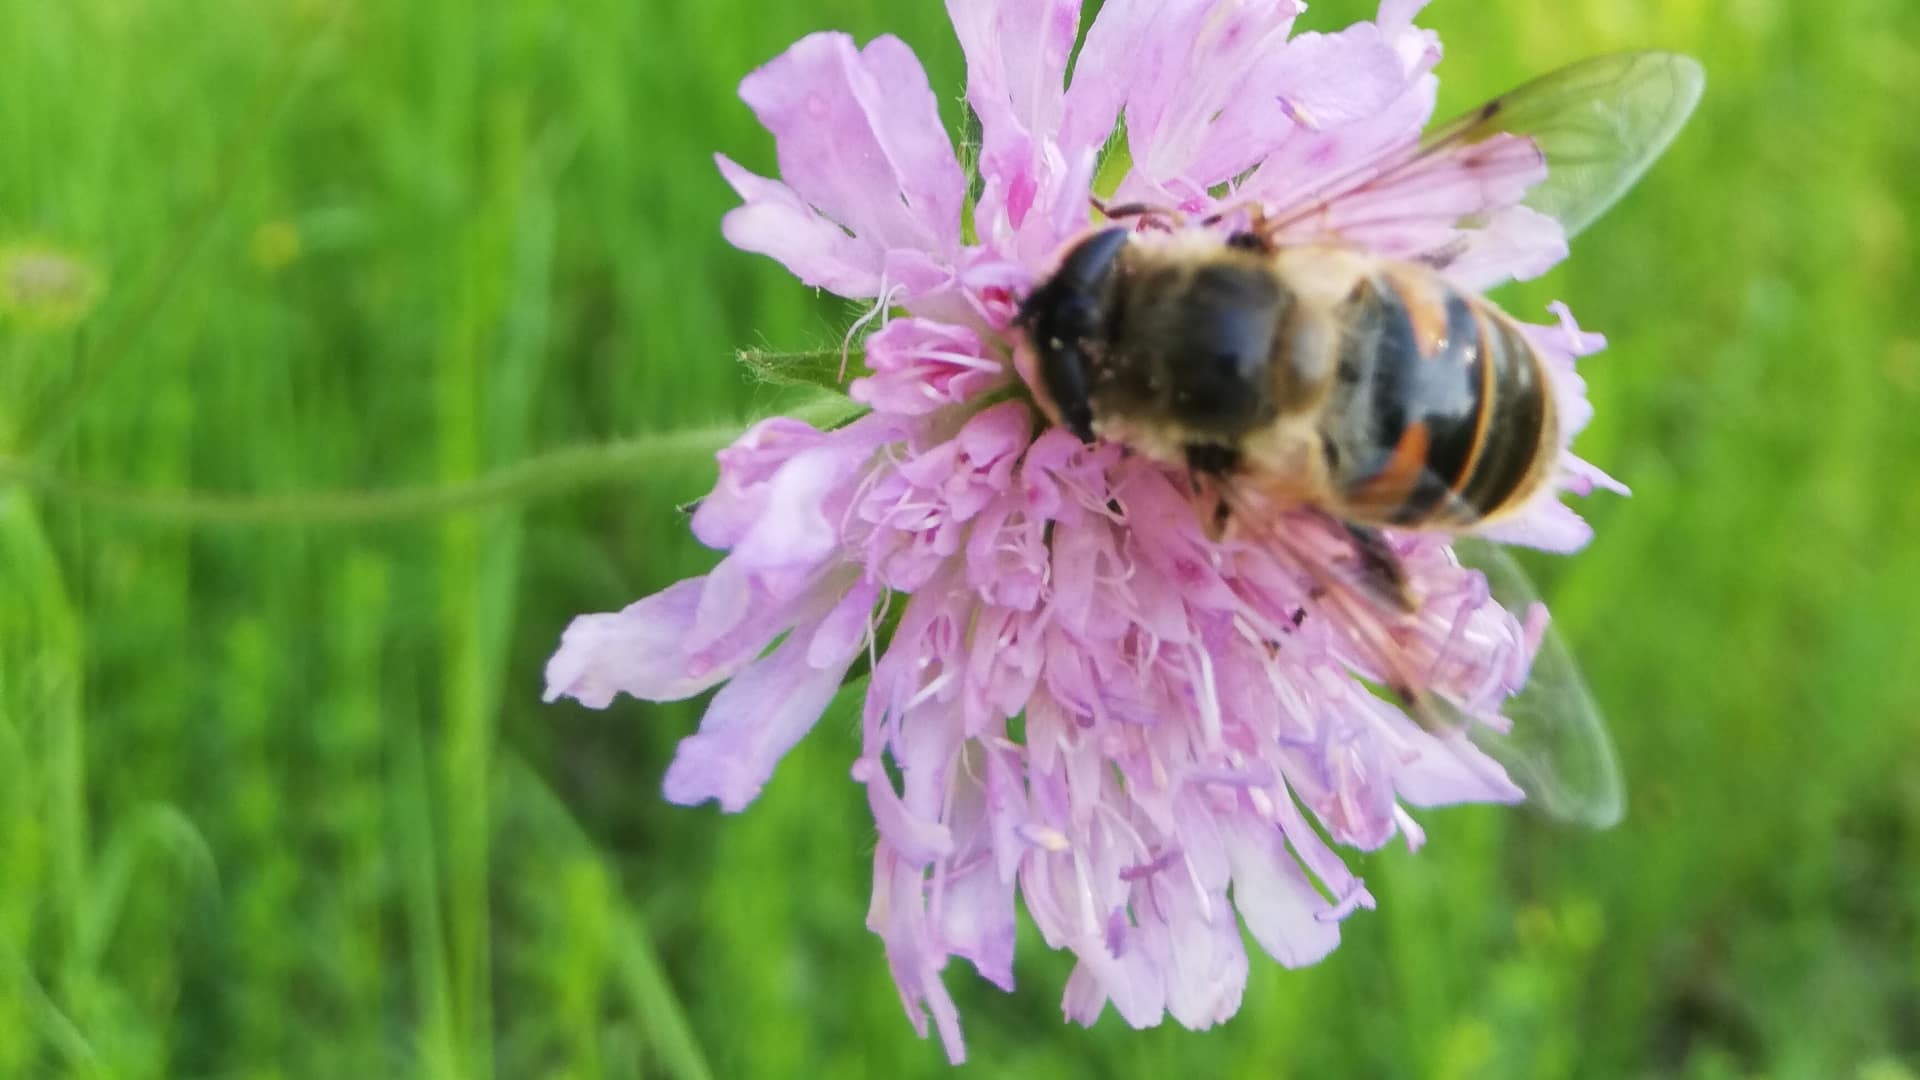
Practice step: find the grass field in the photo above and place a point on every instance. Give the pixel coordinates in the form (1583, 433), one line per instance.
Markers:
(277, 793)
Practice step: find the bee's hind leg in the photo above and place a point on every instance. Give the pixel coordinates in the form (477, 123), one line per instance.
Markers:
(1382, 574)
(1208, 466)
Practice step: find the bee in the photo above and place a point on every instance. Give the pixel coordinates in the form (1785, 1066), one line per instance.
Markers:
(1372, 391)
(1369, 388)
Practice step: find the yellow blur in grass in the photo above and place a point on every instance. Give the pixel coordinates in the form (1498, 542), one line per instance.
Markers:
(45, 287)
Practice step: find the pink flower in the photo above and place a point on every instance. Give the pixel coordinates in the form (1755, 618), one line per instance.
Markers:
(1088, 705)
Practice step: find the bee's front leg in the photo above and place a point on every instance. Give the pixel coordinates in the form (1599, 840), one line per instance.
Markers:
(1167, 217)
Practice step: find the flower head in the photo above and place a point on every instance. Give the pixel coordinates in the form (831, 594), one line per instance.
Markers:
(1088, 703)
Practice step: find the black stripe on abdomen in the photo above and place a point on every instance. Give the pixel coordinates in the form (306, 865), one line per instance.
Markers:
(1440, 391)
(1512, 443)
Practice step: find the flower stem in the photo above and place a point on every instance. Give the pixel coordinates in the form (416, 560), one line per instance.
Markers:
(543, 476)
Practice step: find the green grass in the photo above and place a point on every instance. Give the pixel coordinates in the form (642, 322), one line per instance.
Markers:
(277, 794)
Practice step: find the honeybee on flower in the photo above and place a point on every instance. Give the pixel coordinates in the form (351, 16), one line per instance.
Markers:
(1124, 659)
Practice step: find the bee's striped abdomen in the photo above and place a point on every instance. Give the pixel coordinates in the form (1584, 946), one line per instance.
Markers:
(1518, 442)
(1450, 400)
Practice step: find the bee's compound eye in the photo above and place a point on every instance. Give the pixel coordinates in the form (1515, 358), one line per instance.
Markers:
(1076, 317)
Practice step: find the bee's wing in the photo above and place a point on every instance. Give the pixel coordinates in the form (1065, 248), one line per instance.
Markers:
(1600, 124)
(1557, 748)
(1551, 741)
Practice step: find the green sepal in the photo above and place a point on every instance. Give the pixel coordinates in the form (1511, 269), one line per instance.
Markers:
(817, 368)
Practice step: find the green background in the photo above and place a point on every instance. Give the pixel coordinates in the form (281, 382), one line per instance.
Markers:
(277, 793)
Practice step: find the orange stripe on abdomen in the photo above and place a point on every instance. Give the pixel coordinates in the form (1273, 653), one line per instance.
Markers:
(1512, 457)
(1392, 486)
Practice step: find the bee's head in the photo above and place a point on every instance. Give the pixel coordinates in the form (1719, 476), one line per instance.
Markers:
(1063, 319)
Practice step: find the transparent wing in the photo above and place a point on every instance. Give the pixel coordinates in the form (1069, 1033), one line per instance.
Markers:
(1600, 123)
(1557, 748)
(1553, 744)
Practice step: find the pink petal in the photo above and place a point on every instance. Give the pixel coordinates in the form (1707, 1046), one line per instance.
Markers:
(845, 628)
(1516, 244)
(859, 140)
(1017, 52)
(972, 904)
(1109, 61)
(898, 913)
(739, 496)
(1311, 165)
(925, 748)
(1208, 970)
(921, 365)
(916, 839)
(1547, 524)
(1445, 770)
(1133, 980)
(775, 222)
(977, 921)
(1201, 62)
(1282, 909)
(1332, 80)
(1006, 805)
(795, 528)
(640, 650)
(1582, 477)
(1316, 82)
(752, 722)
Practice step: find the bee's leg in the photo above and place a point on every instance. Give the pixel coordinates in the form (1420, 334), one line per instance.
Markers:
(1208, 465)
(1211, 508)
(1165, 216)
(1381, 573)
(1256, 237)
(1443, 256)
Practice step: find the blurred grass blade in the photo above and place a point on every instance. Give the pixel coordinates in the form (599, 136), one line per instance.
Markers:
(654, 1001)
(546, 476)
(45, 1018)
(156, 836)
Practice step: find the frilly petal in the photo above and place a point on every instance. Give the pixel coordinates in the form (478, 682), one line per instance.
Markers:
(639, 650)
(1518, 243)
(1017, 53)
(1282, 909)
(754, 720)
(1331, 80)
(898, 913)
(1445, 770)
(1315, 82)
(775, 222)
(1034, 186)
(1546, 523)
(1207, 973)
(922, 365)
(862, 152)
(1193, 64)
